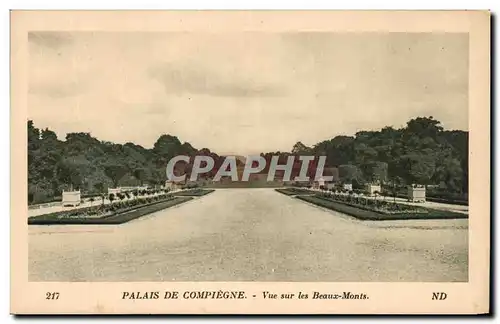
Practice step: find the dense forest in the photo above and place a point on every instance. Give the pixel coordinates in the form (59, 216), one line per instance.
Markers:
(86, 163)
(421, 152)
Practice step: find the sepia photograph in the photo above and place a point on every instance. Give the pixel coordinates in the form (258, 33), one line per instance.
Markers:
(387, 110)
(249, 156)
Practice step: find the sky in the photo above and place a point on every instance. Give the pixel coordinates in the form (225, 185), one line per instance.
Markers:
(243, 93)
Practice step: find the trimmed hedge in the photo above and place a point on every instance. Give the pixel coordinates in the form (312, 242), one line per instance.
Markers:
(365, 214)
(447, 201)
(193, 192)
(117, 218)
(293, 191)
(452, 199)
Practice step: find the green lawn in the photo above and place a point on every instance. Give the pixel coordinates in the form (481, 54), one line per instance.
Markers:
(118, 217)
(366, 214)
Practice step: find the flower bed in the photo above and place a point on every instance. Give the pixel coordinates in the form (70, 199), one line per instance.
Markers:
(379, 205)
(193, 192)
(116, 213)
(377, 210)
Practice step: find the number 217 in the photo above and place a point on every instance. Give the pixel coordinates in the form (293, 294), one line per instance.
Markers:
(52, 295)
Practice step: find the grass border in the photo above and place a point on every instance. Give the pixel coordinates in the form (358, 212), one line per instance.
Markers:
(291, 192)
(187, 193)
(114, 219)
(372, 215)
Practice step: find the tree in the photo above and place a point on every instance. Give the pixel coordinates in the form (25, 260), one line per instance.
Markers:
(376, 171)
(115, 172)
(187, 149)
(300, 149)
(111, 197)
(419, 168)
(92, 199)
(33, 137)
(167, 146)
(48, 135)
(349, 173)
(69, 172)
(396, 181)
(449, 172)
(140, 174)
(157, 176)
(338, 151)
(31, 197)
(364, 153)
(423, 127)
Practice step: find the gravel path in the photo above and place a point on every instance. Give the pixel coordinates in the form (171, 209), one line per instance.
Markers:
(250, 235)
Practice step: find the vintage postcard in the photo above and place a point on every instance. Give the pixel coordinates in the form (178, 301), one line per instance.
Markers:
(250, 162)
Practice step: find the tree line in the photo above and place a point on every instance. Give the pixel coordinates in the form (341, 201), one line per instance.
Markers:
(86, 163)
(422, 152)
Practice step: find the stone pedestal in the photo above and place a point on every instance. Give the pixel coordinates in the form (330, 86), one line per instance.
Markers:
(371, 188)
(71, 198)
(347, 186)
(416, 193)
(114, 191)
